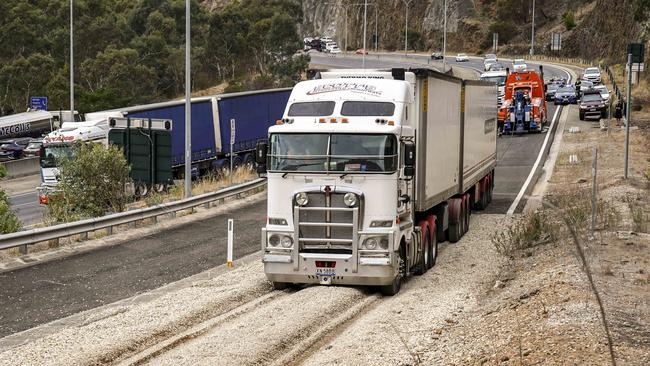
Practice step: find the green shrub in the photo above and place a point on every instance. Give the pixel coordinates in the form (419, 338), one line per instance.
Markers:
(3, 171)
(9, 223)
(569, 20)
(91, 185)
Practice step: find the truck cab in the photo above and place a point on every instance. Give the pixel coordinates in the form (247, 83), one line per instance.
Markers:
(524, 105)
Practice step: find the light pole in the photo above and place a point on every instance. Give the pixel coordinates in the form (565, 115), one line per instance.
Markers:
(365, 17)
(444, 39)
(406, 26)
(532, 33)
(188, 105)
(376, 28)
(71, 61)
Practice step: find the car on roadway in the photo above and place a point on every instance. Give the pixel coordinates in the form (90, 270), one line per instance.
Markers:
(491, 56)
(361, 51)
(592, 104)
(497, 66)
(335, 49)
(592, 74)
(436, 56)
(565, 95)
(34, 148)
(551, 89)
(487, 64)
(462, 57)
(519, 65)
(13, 148)
(604, 92)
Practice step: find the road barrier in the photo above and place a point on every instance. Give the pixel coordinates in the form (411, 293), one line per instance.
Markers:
(22, 167)
(24, 238)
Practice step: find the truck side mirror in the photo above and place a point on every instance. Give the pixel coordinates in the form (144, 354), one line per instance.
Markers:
(409, 160)
(260, 156)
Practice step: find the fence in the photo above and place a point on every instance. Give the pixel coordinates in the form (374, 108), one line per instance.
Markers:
(24, 238)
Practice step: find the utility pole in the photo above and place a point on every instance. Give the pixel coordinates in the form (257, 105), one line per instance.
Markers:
(376, 27)
(628, 111)
(71, 60)
(444, 40)
(188, 104)
(365, 17)
(406, 26)
(532, 33)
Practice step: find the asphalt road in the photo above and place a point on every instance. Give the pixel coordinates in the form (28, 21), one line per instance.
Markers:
(53, 290)
(26, 207)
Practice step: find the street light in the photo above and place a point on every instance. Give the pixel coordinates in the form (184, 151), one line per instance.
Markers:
(532, 33)
(444, 40)
(365, 22)
(188, 105)
(71, 61)
(406, 26)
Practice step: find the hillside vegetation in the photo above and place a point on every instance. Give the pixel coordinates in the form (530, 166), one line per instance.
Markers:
(132, 51)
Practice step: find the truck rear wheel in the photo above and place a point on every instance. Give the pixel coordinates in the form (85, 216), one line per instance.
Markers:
(454, 232)
(425, 255)
(433, 250)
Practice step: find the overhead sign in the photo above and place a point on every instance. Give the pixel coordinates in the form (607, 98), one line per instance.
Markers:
(638, 52)
(38, 103)
(232, 131)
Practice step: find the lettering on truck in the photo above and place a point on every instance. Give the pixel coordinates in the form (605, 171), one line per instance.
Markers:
(10, 130)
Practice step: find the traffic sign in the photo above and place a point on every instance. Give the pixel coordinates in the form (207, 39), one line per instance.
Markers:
(232, 131)
(638, 52)
(38, 103)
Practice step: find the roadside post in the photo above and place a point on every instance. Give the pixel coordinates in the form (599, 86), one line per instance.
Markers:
(232, 144)
(594, 174)
(230, 243)
(628, 111)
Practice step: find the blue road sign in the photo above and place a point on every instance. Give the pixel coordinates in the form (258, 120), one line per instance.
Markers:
(38, 103)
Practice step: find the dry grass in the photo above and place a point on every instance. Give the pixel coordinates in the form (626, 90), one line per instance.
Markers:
(526, 231)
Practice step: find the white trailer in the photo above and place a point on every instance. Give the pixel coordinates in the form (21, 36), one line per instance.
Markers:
(369, 169)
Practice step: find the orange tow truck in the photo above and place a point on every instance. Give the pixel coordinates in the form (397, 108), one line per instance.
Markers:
(524, 102)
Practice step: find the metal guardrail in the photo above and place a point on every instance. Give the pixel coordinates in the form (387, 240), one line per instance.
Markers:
(24, 238)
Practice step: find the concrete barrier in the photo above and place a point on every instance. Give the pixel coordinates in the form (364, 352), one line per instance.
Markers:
(22, 167)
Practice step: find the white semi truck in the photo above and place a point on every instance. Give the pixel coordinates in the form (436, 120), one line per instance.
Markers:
(368, 170)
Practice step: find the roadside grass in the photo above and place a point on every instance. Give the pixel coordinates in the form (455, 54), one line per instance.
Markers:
(526, 231)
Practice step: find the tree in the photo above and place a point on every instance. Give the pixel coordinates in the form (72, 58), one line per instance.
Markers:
(569, 20)
(414, 39)
(9, 223)
(91, 184)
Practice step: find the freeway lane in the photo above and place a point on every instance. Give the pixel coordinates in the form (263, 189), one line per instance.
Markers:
(516, 155)
(53, 290)
(26, 207)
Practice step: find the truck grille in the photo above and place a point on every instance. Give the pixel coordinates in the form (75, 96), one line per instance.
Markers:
(326, 224)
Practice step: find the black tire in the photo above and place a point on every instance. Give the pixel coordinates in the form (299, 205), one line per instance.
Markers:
(280, 285)
(423, 263)
(490, 189)
(433, 252)
(393, 288)
(468, 215)
(454, 232)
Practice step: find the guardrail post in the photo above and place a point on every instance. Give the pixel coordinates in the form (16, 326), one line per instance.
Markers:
(206, 205)
(83, 236)
(22, 249)
(172, 214)
(109, 230)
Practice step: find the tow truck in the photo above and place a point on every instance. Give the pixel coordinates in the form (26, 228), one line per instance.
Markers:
(524, 105)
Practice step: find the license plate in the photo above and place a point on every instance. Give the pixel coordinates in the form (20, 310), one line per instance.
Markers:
(592, 110)
(325, 271)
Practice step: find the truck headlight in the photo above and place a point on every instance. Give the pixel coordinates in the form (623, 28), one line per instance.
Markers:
(350, 199)
(286, 242)
(375, 242)
(302, 199)
(274, 240)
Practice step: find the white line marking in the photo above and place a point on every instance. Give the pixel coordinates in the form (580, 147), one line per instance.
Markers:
(520, 195)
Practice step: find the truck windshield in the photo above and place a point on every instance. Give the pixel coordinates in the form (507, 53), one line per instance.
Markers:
(499, 80)
(349, 153)
(374, 109)
(53, 154)
(311, 109)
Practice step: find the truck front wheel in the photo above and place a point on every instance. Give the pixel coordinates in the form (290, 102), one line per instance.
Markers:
(280, 285)
(393, 288)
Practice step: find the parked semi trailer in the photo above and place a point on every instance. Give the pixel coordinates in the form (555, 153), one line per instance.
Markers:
(252, 112)
(368, 170)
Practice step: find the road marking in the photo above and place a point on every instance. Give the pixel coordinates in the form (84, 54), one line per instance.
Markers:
(529, 179)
